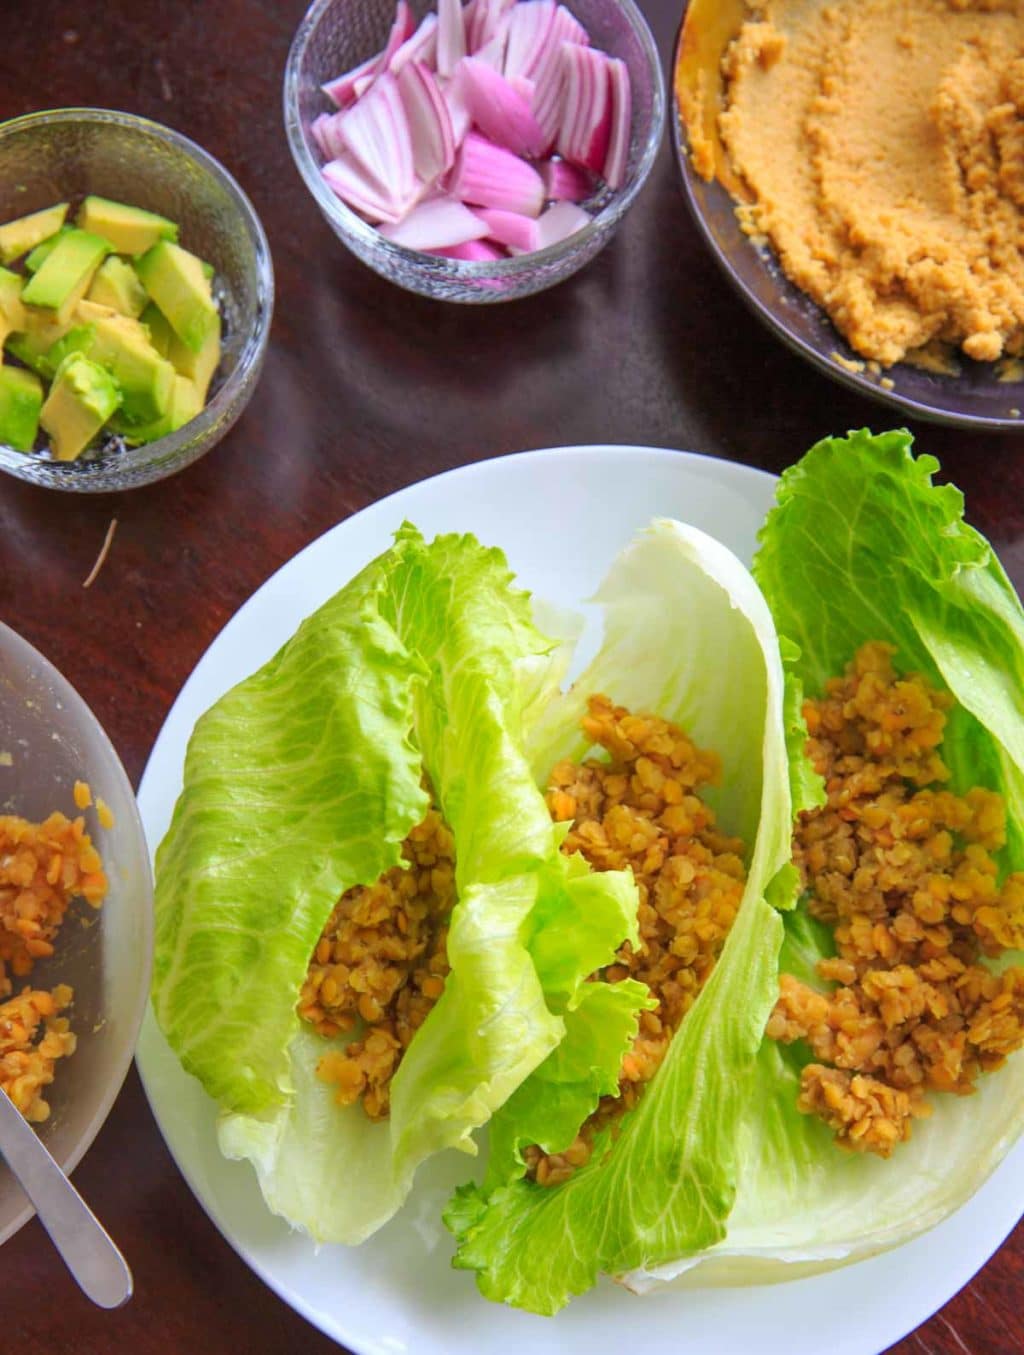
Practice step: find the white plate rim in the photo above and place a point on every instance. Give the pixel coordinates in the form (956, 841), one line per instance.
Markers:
(987, 1232)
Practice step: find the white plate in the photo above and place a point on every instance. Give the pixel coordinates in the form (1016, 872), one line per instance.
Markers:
(561, 516)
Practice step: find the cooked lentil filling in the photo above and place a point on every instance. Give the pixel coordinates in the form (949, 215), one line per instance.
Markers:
(640, 808)
(42, 868)
(382, 960)
(904, 872)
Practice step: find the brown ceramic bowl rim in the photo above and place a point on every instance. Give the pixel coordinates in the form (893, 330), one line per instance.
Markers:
(855, 381)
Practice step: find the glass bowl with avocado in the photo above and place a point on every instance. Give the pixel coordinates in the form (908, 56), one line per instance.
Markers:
(136, 292)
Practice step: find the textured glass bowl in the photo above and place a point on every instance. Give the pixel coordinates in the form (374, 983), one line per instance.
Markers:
(64, 155)
(49, 739)
(336, 35)
(974, 398)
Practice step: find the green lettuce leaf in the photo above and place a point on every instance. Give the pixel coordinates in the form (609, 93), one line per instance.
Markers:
(278, 817)
(688, 635)
(302, 782)
(863, 546)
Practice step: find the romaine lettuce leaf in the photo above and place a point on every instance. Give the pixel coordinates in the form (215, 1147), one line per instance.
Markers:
(862, 546)
(302, 782)
(688, 635)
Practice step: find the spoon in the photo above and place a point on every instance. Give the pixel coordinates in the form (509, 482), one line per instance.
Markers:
(85, 1247)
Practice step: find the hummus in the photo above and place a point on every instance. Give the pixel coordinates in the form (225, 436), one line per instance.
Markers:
(881, 146)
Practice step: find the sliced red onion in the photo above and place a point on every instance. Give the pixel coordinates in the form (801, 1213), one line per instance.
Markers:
(529, 26)
(487, 20)
(587, 107)
(401, 30)
(342, 90)
(617, 160)
(451, 36)
(458, 107)
(558, 223)
(437, 223)
(510, 228)
(491, 176)
(564, 182)
(493, 52)
(404, 150)
(499, 109)
(430, 124)
(547, 74)
(324, 131)
(355, 187)
(376, 132)
(422, 46)
(476, 251)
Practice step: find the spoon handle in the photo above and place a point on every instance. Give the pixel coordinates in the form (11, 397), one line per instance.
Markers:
(86, 1248)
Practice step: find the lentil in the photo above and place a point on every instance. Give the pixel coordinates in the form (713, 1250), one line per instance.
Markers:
(640, 810)
(382, 961)
(42, 868)
(904, 871)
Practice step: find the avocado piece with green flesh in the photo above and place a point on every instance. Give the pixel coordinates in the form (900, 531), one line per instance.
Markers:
(185, 405)
(130, 230)
(12, 312)
(78, 339)
(117, 286)
(175, 280)
(42, 252)
(32, 343)
(81, 400)
(20, 236)
(160, 332)
(198, 367)
(64, 277)
(21, 399)
(122, 346)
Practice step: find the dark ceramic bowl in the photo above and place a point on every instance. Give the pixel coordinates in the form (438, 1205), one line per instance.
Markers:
(975, 398)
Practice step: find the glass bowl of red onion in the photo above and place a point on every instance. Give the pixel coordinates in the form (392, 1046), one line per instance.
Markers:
(479, 151)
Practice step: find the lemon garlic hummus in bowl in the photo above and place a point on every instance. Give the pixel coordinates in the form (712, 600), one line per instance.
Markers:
(877, 146)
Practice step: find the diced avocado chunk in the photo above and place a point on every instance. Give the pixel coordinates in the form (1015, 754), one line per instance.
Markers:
(12, 312)
(21, 399)
(42, 252)
(35, 340)
(185, 405)
(198, 367)
(175, 280)
(130, 230)
(81, 400)
(122, 346)
(116, 285)
(78, 339)
(64, 277)
(160, 332)
(18, 237)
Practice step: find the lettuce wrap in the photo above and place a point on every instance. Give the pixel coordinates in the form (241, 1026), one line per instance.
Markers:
(862, 545)
(688, 636)
(302, 782)
(716, 1173)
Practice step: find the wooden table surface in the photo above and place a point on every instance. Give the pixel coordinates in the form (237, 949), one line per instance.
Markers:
(366, 389)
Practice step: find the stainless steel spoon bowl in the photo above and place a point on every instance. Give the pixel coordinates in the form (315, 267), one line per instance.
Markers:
(87, 1249)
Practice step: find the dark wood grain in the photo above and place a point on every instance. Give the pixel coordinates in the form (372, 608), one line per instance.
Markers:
(366, 389)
